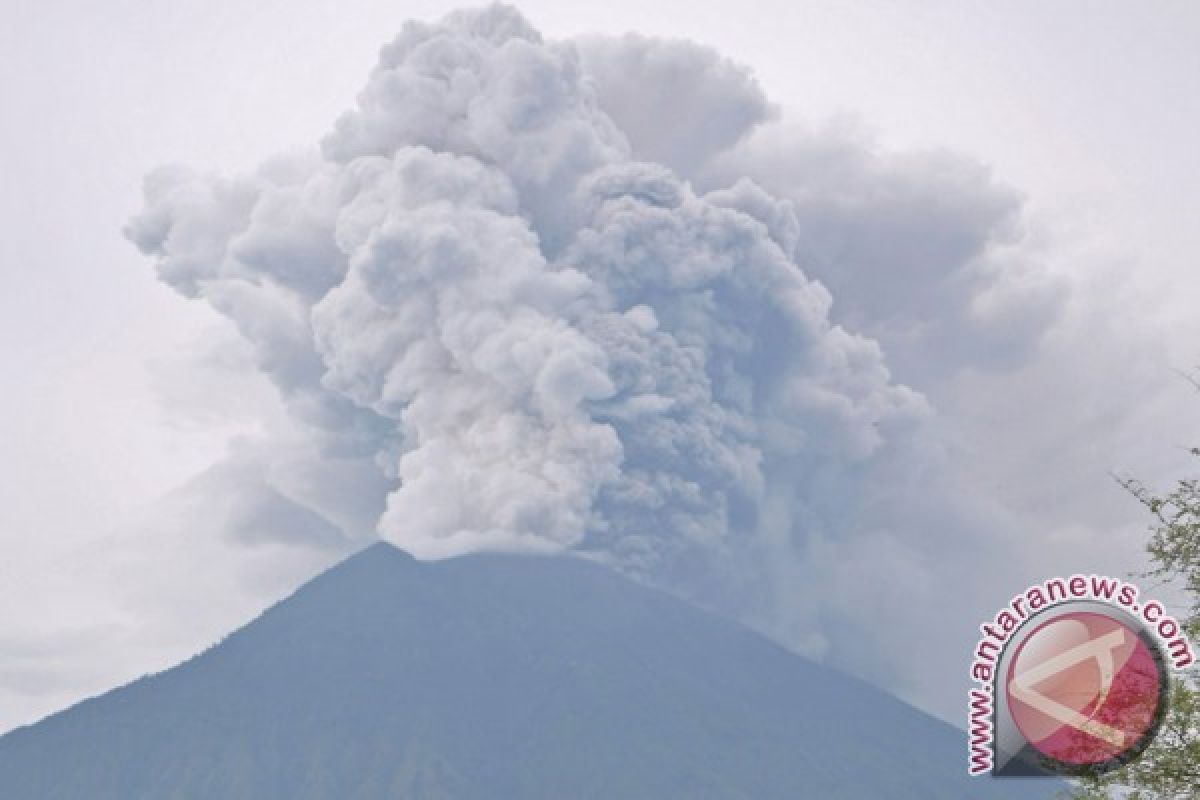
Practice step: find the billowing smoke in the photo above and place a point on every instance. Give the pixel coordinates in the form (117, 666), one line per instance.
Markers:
(563, 296)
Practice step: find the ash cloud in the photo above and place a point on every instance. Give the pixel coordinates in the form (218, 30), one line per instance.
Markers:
(542, 342)
(582, 297)
(924, 252)
(677, 102)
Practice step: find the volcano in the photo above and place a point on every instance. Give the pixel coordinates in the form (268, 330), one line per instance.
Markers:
(491, 677)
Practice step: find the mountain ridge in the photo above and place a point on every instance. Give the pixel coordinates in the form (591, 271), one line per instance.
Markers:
(490, 676)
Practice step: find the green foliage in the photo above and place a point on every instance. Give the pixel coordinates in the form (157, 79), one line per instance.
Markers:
(1174, 546)
(1170, 767)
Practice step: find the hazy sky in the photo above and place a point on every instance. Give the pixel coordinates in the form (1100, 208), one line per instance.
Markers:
(1089, 111)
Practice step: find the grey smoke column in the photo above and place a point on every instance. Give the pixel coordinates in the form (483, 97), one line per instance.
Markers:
(539, 342)
(559, 297)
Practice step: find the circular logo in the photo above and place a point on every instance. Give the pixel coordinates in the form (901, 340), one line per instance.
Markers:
(1087, 691)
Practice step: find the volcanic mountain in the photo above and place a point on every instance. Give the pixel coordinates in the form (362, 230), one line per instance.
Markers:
(491, 678)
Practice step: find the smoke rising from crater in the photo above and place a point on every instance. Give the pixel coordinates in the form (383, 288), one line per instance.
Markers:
(544, 296)
(543, 342)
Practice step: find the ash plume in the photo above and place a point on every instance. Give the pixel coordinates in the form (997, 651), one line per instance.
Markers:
(567, 296)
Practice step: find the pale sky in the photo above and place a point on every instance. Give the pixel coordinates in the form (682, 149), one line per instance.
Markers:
(1090, 110)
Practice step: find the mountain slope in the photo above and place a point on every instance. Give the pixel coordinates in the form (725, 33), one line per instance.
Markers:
(489, 678)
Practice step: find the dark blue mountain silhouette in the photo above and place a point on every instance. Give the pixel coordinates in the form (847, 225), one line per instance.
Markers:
(491, 678)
